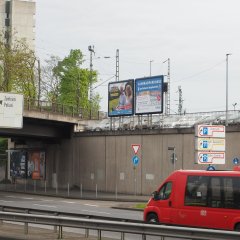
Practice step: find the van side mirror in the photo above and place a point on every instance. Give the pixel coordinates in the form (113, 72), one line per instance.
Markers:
(155, 195)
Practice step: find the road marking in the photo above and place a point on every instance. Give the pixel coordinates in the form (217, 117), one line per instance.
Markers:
(25, 198)
(46, 200)
(50, 206)
(91, 205)
(68, 202)
(5, 201)
(96, 212)
(11, 196)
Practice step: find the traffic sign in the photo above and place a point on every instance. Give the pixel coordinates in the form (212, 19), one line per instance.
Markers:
(211, 168)
(235, 161)
(135, 148)
(135, 160)
(210, 144)
(217, 131)
(210, 157)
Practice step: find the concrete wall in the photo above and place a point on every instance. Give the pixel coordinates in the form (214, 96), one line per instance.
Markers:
(104, 160)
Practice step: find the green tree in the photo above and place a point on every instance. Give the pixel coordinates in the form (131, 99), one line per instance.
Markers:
(75, 82)
(50, 85)
(17, 68)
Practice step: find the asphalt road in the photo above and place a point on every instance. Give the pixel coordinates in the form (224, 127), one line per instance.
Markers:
(89, 207)
(67, 205)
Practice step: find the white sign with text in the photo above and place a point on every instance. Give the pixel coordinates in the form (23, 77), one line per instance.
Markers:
(11, 110)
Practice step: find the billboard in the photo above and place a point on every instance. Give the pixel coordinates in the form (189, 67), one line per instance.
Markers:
(121, 98)
(149, 95)
(28, 164)
(11, 110)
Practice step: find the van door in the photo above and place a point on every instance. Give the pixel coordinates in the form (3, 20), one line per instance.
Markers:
(164, 203)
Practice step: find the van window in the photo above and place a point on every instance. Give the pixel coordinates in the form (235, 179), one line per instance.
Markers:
(196, 191)
(215, 192)
(165, 191)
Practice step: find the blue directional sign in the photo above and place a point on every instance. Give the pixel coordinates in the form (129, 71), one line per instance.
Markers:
(205, 131)
(205, 158)
(135, 160)
(211, 168)
(235, 161)
(205, 144)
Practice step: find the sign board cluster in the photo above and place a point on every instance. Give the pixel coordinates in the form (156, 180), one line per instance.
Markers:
(210, 144)
(135, 158)
(11, 110)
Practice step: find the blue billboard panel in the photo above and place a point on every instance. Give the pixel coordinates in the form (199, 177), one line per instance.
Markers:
(149, 95)
(121, 98)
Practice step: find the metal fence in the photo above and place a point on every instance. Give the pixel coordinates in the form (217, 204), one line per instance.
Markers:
(142, 229)
(68, 110)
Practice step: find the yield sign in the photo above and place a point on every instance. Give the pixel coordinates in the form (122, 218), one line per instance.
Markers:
(135, 148)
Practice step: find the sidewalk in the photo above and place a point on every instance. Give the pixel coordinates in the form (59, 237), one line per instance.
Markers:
(73, 193)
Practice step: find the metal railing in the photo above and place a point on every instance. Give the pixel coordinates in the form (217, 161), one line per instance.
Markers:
(121, 227)
(56, 108)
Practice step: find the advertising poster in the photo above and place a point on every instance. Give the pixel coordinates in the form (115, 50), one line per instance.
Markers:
(18, 164)
(121, 98)
(36, 165)
(149, 95)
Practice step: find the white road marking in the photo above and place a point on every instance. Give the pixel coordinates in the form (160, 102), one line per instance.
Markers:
(47, 200)
(11, 196)
(68, 202)
(50, 206)
(96, 212)
(91, 205)
(27, 198)
(6, 201)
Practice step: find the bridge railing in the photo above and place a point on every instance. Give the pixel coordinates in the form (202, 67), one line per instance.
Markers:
(62, 109)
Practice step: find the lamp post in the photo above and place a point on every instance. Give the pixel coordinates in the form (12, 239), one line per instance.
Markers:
(234, 106)
(226, 123)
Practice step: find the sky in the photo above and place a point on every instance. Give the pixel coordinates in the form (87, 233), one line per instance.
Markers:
(195, 35)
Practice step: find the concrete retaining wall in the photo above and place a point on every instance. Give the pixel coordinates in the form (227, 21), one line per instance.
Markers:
(104, 160)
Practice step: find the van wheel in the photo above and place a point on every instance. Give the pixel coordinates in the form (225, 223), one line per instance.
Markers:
(237, 227)
(152, 218)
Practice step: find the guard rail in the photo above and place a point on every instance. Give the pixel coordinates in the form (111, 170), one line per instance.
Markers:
(122, 227)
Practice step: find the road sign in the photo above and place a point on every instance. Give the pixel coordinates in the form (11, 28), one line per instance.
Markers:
(135, 148)
(216, 131)
(11, 110)
(135, 160)
(210, 144)
(235, 161)
(211, 168)
(210, 157)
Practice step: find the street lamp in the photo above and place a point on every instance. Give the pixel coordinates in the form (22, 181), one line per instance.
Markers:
(226, 123)
(234, 106)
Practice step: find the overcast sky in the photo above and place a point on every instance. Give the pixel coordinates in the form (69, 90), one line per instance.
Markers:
(195, 34)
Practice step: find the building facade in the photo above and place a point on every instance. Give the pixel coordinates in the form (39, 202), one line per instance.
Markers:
(17, 21)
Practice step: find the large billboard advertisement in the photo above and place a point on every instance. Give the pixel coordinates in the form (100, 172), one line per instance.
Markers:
(28, 164)
(121, 98)
(149, 95)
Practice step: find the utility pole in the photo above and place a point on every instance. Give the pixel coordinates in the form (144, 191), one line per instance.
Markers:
(151, 67)
(226, 122)
(39, 81)
(91, 50)
(117, 65)
(180, 100)
(167, 95)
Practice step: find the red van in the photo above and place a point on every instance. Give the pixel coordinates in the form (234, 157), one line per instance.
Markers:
(207, 199)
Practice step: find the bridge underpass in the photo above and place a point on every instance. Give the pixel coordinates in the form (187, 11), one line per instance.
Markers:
(43, 133)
